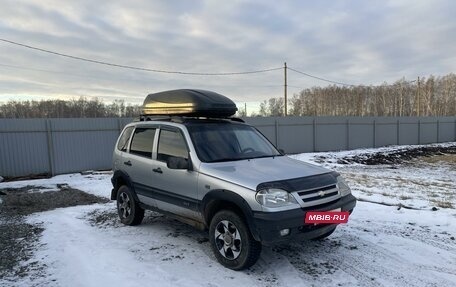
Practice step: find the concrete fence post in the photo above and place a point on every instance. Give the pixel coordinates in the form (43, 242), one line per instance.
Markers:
(276, 127)
(438, 131)
(314, 130)
(119, 125)
(348, 133)
(398, 132)
(375, 134)
(419, 131)
(50, 146)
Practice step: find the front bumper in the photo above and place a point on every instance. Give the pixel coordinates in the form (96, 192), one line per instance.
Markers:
(267, 225)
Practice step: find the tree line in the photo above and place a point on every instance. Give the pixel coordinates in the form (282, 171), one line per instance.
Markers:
(75, 108)
(432, 96)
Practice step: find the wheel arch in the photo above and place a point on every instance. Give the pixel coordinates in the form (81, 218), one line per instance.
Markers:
(120, 178)
(219, 199)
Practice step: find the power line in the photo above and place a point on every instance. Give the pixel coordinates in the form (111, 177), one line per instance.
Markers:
(103, 78)
(320, 78)
(137, 68)
(335, 82)
(45, 71)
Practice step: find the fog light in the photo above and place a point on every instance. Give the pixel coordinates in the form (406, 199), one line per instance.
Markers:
(284, 232)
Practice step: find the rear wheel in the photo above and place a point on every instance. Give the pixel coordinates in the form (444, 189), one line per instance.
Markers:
(130, 213)
(231, 241)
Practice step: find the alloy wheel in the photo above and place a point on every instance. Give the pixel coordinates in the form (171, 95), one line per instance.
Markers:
(228, 239)
(124, 205)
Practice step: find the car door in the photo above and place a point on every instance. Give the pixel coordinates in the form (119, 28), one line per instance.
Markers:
(176, 189)
(138, 163)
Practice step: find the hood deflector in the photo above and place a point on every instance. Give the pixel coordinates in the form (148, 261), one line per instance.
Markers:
(302, 183)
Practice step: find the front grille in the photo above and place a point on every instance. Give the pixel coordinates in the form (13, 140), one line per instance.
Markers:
(306, 192)
(319, 195)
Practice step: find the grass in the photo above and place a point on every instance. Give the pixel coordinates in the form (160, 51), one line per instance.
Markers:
(443, 203)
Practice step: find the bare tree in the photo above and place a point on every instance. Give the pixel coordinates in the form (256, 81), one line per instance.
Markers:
(434, 96)
(75, 108)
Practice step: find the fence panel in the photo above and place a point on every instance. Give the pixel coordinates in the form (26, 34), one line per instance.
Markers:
(23, 147)
(55, 146)
(361, 132)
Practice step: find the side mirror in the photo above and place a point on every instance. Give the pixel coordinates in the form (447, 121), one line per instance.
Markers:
(282, 151)
(174, 162)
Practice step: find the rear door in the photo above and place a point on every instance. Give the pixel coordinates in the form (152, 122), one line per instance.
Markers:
(138, 163)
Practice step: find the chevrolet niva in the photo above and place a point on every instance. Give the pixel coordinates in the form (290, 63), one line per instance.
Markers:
(188, 158)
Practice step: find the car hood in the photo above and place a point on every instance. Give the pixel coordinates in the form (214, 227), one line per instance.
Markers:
(251, 173)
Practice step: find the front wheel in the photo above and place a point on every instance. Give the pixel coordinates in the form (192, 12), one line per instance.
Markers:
(130, 213)
(231, 241)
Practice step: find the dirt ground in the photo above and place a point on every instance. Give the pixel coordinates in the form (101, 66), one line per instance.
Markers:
(18, 239)
(398, 157)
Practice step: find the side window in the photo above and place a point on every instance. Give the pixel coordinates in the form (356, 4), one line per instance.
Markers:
(171, 143)
(142, 141)
(123, 141)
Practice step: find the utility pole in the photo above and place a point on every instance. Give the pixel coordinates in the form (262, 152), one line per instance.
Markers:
(245, 109)
(285, 87)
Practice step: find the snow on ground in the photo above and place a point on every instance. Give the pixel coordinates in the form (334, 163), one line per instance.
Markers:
(380, 246)
(98, 183)
(421, 183)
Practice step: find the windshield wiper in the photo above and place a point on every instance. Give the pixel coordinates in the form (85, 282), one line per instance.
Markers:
(228, 159)
(263, 156)
(242, 158)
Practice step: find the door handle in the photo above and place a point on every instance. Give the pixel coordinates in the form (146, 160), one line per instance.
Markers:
(127, 163)
(157, 170)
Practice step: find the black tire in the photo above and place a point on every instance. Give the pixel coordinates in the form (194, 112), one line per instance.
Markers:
(242, 250)
(130, 213)
(324, 235)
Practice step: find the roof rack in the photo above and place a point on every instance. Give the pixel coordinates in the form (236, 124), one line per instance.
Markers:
(181, 119)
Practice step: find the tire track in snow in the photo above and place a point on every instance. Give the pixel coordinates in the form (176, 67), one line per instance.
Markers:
(416, 233)
(369, 264)
(308, 260)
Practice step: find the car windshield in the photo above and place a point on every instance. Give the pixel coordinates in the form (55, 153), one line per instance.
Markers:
(216, 142)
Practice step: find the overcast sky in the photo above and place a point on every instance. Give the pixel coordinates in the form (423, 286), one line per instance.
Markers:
(357, 42)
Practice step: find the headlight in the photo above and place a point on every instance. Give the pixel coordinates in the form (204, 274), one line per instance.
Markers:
(274, 197)
(343, 187)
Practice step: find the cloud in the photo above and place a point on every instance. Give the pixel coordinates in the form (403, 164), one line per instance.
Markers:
(360, 42)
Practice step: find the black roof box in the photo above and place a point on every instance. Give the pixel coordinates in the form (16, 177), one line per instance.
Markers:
(187, 102)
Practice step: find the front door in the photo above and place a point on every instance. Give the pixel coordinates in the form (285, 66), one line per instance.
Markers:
(176, 189)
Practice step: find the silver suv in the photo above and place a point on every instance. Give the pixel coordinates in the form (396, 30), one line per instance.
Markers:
(222, 175)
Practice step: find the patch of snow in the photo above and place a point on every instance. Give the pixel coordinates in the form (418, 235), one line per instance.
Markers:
(96, 184)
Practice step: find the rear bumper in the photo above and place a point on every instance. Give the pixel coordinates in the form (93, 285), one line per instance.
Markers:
(267, 225)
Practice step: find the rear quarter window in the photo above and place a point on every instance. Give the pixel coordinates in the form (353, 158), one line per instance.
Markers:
(123, 141)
